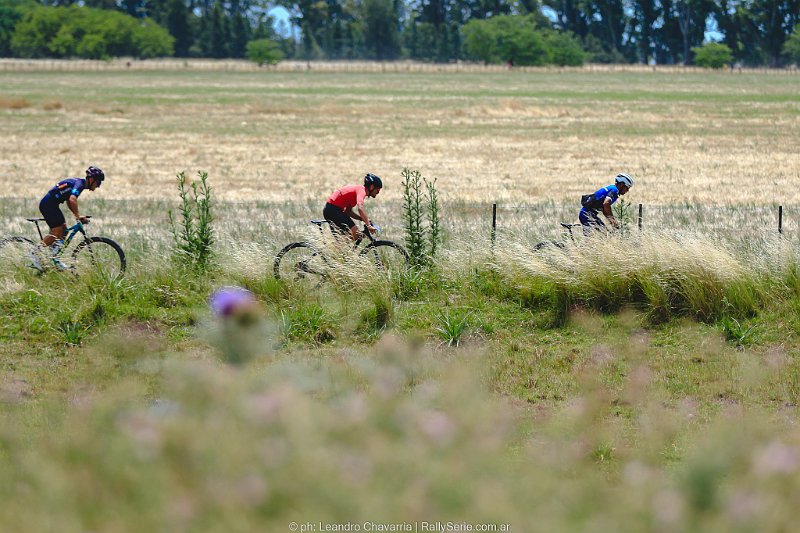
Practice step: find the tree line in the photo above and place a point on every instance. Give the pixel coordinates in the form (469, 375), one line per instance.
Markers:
(520, 32)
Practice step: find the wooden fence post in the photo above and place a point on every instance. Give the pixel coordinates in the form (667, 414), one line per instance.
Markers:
(640, 217)
(494, 222)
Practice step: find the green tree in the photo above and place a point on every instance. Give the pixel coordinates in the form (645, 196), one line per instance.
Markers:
(91, 46)
(151, 40)
(564, 49)
(381, 29)
(11, 11)
(179, 28)
(220, 34)
(792, 46)
(480, 41)
(89, 33)
(514, 39)
(263, 51)
(240, 34)
(712, 55)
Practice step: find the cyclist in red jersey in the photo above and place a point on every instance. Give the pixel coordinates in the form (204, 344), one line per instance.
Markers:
(339, 209)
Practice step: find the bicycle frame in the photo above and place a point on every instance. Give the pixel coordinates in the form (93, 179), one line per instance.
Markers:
(357, 242)
(71, 232)
(569, 227)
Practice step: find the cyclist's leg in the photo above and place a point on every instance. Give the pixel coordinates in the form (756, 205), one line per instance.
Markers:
(340, 222)
(591, 221)
(55, 220)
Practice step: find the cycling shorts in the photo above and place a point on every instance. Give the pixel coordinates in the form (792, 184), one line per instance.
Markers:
(51, 212)
(337, 217)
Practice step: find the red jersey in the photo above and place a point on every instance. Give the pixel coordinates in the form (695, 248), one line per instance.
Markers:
(348, 196)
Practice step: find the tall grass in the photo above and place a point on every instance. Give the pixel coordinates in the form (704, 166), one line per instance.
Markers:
(669, 275)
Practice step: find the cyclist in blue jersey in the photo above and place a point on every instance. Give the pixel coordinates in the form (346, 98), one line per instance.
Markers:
(601, 200)
(66, 190)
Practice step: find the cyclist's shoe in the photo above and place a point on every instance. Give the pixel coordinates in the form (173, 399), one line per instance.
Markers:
(36, 263)
(61, 265)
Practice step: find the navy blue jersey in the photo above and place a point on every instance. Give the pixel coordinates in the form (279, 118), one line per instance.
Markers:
(66, 188)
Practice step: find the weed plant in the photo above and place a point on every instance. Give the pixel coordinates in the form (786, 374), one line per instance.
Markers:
(194, 233)
(421, 222)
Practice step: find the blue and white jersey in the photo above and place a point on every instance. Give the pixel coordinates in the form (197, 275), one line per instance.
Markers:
(600, 197)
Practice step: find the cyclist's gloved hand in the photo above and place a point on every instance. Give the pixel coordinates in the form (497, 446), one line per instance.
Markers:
(84, 220)
(373, 228)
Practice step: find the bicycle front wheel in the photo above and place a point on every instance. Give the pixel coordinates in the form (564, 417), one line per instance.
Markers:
(18, 256)
(300, 262)
(99, 256)
(388, 256)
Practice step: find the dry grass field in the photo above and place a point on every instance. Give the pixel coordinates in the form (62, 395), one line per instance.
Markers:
(509, 137)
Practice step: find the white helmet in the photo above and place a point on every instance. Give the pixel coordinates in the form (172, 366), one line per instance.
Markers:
(624, 178)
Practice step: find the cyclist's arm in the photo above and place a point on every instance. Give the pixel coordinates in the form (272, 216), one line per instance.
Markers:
(608, 213)
(349, 212)
(364, 218)
(72, 203)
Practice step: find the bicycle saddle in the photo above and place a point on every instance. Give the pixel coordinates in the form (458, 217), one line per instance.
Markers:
(319, 222)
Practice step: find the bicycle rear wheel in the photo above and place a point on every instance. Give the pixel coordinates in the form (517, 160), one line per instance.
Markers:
(300, 262)
(388, 256)
(18, 256)
(99, 256)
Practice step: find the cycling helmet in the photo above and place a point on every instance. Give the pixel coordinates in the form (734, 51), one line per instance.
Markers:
(624, 178)
(96, 173)
(372, 179)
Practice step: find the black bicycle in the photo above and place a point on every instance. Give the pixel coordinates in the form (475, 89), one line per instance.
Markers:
(559, 244)
(306, 261)
(99, 255)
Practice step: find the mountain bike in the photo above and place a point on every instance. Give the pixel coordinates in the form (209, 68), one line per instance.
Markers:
(307, 261)
(98, 255)
(559, 244)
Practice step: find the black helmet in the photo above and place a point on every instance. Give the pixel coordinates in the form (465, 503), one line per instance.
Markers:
(96, 173)
(372, 179)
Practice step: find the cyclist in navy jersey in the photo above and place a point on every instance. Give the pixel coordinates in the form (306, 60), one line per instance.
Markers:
(66, 190)
(601, 200)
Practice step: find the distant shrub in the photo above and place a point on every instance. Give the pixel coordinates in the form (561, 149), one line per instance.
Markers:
(712, 55)
(13, 103)
(262, 51)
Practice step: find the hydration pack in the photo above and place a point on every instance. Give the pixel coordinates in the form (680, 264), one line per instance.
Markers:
(590, 202)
